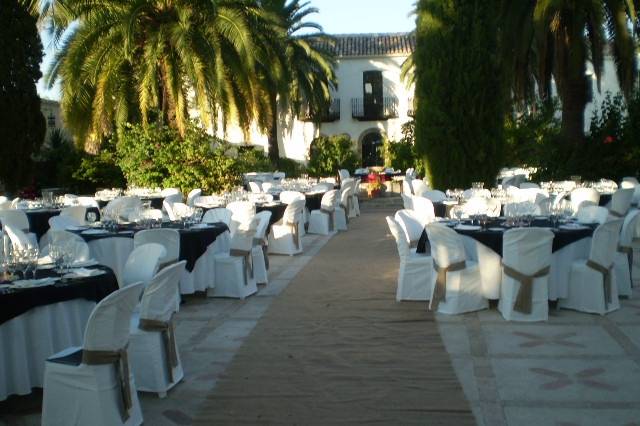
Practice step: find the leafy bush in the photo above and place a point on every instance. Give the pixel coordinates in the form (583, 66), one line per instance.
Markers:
(291, 168)
(327, 155)
(253, 159)
(401, 155)
(98, 171)
(158, 156)
(56, 162)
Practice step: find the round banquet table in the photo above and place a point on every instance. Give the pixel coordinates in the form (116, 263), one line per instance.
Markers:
(198, 246)
(39, 219)
(485, 245)
(37, 322)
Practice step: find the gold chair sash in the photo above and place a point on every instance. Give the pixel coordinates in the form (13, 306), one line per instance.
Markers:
(524, 297)
(246, 261)
(121, 360)
(262, 242)
(168, 336)
(606, 278)
(440, 292)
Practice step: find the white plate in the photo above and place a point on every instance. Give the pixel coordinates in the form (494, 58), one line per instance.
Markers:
(84, 263)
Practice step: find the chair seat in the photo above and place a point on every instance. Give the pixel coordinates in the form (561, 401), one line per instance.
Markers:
(586, 291)
(464, 290)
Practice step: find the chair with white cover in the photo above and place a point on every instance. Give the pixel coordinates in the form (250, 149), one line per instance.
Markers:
(17, 219)
(475, 205)
(88, 202)
(423, 208)
(623, 258)
(284, 237)
(279, 176)
(341, 209)
(93, 385)
(592, 214)
(628, 184)
(545, 204)
(526, 263)
(170, 191)
(411, 224)
(349, 202)
(322, 221)
(255, 187)
(235, 277)
(592, 284)
(60, 223)
(241, 212)
(121, 207)
(167, 238)
(435, 195)
(621, 202)
(414, 275)
(19, 239)
(579, 195)
(526, 185)
(142, 264)
(456, 282)
(288, 196)
(69, 241)
(407, 189)
(355, 201)
(259, 250)
(407, 202)
(221, 214)
(419, 187)
(192, 196)
(321, 187)
(344, 174)
(208, 201)
(79, 213)
(153, 349)
(5, 205)
(632, 180)
(169, 200)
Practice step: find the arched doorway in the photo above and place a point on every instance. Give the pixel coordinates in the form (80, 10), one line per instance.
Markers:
(372, 149)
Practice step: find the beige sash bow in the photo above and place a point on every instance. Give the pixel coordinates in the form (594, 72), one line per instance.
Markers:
(168, 337)
(294, 233)
(346, 211)
(440, 292)
(524, 297)
(330, 214)
(606, 278)
(262, 242)
(246, 261)
(121, 360)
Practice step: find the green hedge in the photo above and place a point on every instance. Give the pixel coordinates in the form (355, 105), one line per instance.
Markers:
(328, 154)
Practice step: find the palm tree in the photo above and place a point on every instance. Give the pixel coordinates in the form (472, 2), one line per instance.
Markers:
(547, 39)
(298, 71)
(144, 60)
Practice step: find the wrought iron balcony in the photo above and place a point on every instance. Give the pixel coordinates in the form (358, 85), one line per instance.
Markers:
(332, 113)
(372, 112)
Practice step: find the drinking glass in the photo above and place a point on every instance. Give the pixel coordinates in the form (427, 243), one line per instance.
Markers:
(91, 217)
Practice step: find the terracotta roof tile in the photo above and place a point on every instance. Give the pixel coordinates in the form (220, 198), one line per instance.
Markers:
(390, 44)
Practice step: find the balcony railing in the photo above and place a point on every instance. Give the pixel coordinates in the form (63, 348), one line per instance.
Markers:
(411, 112)
(389, 109)
(332, 113)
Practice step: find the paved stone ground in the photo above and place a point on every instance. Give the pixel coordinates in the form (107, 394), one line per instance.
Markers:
(574, 370)
(209, 332)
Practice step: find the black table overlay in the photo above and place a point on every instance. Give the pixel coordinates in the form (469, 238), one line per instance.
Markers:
(15, 302)
(156, 202)
(193, 241)
(493, 238)
(277, 211)
(39, 219)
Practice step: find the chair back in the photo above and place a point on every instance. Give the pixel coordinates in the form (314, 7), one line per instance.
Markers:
(579, 195)
(220, 214)
(159, 298)
(142, 263)
(122, 207)
(423, 208)
(70, 242)
(475, 205)
(172, 199)
(526, 185)
(592, 214)
(407, 189)
(17, 219)
(18, 238)
(288, 196)
(407, 202)
(329, 200)
(79, 213)
(108, 325)
(435, 195)
(263, 223)
(242, 238)
(193, 194)
(419, 187)
(241, 210)
(170, 191)
(294, 211)
(255, 187)
(167, 238)
(344, 174)
(628, 184)
(88, 202)
(621, 200)
(527, 250)
(401, 240)
(60, 223)
(345, 193)
(411, 225)
(322, 187)
(605, 242)
(446, 245)
(629, 226)
(208, 201)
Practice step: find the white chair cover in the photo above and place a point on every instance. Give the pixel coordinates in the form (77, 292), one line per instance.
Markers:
(414, 275)
(407, 189)
(18, 238)
(319, 221)
(235, 277)
(344, 174)
(407, 202)
(423, 208)
(241, 212)
(592, 214)
(91, 394)
(121, 207)
(221, 214)
(192, 196)
(167, 238)
(142, 264)
(288, 196)
(257, 253)
(411, 225)
(621, 202)
(71, 242)
(60, 223)
(623, 258)
(79, 213)
(284, 237)
(587, 286)
(435, 195)
(579, 195)
(419, 187)
(17, 219)
(527, 251)
(255, 187)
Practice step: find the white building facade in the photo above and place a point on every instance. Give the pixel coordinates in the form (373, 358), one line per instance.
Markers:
(371, 102)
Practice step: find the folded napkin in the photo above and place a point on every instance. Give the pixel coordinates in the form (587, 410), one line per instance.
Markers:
(201, 226)
(76, 228)
(464, 227)
(34, 283)
(82, 263)
(83, 273)
(94, 231)
(572, 226)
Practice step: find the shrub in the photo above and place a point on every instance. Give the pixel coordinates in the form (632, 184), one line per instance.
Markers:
(327, 155)
(253, 159)
(291, 168)
(402, 155)
(98, 171)
(56, 162)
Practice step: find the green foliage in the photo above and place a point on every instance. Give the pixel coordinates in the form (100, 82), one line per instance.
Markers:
(159, 157)
(327, 155)
(22, 125)
(56, 162)
(460, 93)
(252, 159)
(402, 155)
(291, 168)
(99, 171)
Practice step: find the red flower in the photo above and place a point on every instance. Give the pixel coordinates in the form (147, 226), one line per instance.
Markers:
(609, 139)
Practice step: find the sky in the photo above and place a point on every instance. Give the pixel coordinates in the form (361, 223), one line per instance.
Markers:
(336, 17)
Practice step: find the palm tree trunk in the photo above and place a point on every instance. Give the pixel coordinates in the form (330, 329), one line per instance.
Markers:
(274, 150)
(574, 101)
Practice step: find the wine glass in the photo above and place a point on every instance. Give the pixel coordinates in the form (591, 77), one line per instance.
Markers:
(458, 213)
